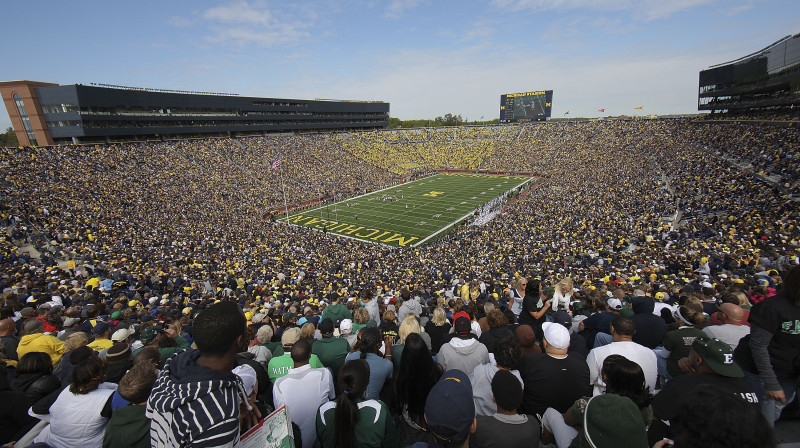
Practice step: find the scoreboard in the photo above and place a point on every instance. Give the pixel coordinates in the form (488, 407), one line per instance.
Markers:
(525, 106)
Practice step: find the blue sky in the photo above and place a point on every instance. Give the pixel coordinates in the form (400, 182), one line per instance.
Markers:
(425, 57)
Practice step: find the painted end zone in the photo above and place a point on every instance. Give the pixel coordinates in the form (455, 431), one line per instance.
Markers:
(362, 233)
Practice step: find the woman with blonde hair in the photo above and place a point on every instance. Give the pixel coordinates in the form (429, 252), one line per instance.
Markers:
(307, 332)
(63, 369)
(562, 295)
(516, 293)
(409, 325)
(437, 328)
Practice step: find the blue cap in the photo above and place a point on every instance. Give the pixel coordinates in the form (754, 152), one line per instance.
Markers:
(101, 327)
(449, 409)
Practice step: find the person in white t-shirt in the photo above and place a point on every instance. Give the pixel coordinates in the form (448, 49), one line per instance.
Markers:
(304, 389)
(622, 330)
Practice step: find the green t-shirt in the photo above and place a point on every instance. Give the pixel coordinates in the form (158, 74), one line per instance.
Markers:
(375, 427)
(331, 353)
(397, 353)
(280, 365)
(679, 343)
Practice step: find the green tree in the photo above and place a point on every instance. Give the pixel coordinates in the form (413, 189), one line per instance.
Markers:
(9, 138)
(449, 120)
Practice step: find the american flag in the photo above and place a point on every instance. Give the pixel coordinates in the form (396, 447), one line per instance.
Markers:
(276, 164)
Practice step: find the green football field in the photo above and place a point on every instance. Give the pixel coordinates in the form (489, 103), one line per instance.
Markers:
(411, 213)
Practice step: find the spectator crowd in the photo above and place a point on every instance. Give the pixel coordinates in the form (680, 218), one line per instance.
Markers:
(646, 290)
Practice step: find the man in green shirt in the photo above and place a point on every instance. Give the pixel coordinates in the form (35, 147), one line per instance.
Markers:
(280, 365)
(331, 351)
(336, 310)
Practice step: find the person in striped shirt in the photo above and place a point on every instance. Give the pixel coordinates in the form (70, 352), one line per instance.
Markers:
(197, 401)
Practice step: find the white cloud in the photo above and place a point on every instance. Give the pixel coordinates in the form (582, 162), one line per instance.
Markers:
(250, 23)
(738, 9)
(240, 12)
(481, 31)
(397, 8)
(642, 9)
(179, 21)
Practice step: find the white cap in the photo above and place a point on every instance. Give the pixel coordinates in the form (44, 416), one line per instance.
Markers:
(706, 285)
(614, 304)
(152, 300)
(556, 335)
(164, 301)
(122, 334)
(248, 376)
(346, 326)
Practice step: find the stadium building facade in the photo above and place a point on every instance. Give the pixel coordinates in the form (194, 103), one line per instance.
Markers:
(767, 80)
(46, 113)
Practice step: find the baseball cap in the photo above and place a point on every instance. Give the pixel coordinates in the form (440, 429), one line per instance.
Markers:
(290, 336)
(248, 376)
(718, 355)
(149, 333)
(461, 325)
(614, 304)
(288, 316)
(122, 334)
(561, 317)
(117, 315)
(346, 326)
(449, 409)
(101, 327)
(70, 321)
(556, 335)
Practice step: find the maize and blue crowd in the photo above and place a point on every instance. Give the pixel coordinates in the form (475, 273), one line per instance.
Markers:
(646, 292)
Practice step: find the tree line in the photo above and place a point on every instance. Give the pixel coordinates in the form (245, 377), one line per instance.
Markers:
(445, 120)
(9, 138)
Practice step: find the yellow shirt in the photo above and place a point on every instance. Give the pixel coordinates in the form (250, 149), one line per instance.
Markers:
(99, 345)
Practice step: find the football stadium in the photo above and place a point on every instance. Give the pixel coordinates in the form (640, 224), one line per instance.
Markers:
(188, 268)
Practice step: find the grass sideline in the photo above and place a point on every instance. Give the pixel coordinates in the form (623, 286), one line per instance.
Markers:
(408, 214)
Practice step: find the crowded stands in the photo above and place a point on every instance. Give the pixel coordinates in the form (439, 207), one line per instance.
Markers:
(645, 291)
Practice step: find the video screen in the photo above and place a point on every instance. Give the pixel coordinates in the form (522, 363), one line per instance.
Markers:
(526, 106)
